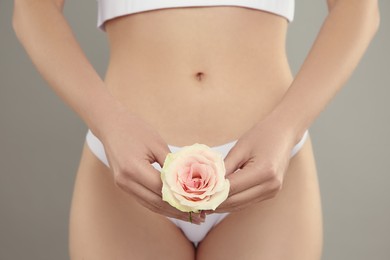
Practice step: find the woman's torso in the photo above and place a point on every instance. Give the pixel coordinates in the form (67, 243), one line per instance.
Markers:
(199, 74)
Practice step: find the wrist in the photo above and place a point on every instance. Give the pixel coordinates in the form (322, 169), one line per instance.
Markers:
(286, 124)
(104, 113)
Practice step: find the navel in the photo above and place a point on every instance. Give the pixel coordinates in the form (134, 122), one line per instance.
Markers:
(199, 76)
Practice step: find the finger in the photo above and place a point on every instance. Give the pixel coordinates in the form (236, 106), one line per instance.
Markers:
(148, 176)
(247, 198)
(251, 175)
(160, 152)
(235, 158)
(155, 204)
(151, 201)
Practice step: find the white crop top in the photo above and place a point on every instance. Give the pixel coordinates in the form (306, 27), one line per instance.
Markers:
(109, 9)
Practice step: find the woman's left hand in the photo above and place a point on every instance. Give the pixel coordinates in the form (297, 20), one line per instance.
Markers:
(256, 164)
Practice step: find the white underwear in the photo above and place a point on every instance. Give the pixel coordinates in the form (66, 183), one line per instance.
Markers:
(195, 233)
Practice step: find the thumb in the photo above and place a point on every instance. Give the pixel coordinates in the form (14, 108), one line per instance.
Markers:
(235, 158)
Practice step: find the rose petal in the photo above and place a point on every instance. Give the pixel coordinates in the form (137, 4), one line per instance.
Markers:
(210, 202)
(194, 178)
(167, 196)
(177, 183)
(213, 202)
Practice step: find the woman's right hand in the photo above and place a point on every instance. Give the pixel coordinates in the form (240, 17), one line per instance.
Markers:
(131, 146)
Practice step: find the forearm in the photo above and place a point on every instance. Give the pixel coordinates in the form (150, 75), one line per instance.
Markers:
(49, 41)
(340, 44)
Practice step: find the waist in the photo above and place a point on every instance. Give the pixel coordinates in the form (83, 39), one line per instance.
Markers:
(194, 76)
(213, 110)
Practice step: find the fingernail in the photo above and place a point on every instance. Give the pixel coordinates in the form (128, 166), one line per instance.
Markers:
(196, 222)
(200, 219)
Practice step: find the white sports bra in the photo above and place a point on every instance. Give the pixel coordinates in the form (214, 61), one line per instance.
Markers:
(109, 9)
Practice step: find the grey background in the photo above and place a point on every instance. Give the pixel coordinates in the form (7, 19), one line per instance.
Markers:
(41, 141)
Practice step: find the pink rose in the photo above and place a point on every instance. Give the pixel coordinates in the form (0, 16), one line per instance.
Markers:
(194, 179)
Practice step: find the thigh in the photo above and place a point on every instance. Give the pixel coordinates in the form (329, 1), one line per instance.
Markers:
(106, 223)
(287, 227)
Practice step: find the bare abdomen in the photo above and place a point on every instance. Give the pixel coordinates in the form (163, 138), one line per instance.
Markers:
(199, 74)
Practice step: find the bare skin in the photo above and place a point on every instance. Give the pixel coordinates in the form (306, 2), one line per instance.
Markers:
(156, 73)
(237, 88)
(229, 99)
(218, 75)
(106, 223)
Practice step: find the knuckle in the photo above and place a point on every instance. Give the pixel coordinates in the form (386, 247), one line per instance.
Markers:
(277, 182)
(269, 172)
(123, 173)
(267, 169)
(275, 185)
(126, 168)
(120, 179)
(273, 188)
